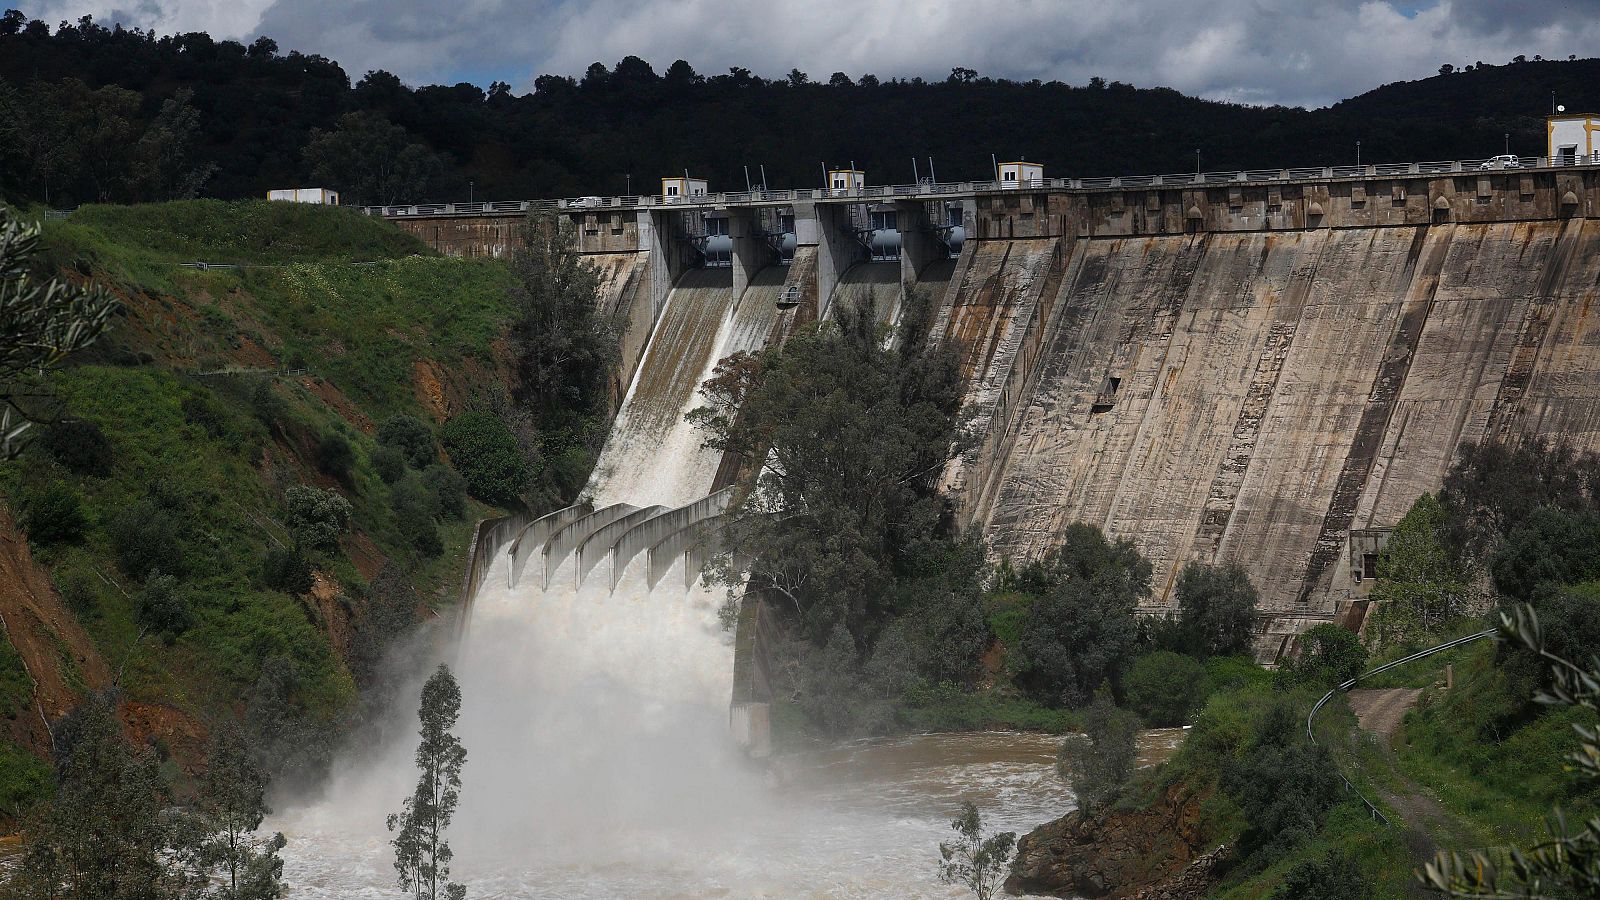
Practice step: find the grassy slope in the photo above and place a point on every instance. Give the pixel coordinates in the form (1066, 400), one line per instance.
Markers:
(360, 333)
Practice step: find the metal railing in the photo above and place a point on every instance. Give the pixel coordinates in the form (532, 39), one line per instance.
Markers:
(927, 190)
(1346, 686)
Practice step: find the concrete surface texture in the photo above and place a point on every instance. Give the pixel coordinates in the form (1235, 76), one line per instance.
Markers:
(1253, 396)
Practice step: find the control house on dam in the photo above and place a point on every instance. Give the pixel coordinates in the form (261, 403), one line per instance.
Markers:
(1263, 367)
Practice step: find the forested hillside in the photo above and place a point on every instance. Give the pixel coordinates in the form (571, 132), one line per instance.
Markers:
(91, 114)
(258, 478)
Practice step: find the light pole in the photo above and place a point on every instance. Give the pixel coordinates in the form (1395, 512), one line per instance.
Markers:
(627, 180)
(1508, 143)
(472, 191)
(1358, 154)
(1197, 160)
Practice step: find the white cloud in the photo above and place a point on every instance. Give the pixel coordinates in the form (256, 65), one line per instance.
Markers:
(1256, 51)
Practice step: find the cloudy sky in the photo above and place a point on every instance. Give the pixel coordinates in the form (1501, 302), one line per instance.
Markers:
(1254, 51)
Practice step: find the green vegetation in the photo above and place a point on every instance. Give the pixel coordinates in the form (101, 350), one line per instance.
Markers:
(208, 495)
(421, 855)
(1166, 688)
(268, 117)
(1099, 762)
(485, 451)
(974, 860)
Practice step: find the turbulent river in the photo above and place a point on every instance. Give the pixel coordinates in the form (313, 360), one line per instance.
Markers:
(599, 765)
(596, 720)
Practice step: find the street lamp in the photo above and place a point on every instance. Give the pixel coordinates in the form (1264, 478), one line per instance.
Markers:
(1358, 154)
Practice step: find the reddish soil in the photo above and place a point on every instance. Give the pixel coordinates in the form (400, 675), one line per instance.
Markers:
(46, 635)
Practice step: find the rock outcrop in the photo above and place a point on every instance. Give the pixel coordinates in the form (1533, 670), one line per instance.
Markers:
(1119, 852)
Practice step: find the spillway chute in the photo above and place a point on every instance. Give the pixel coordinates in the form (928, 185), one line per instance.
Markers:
(598, 545)
(534, 535)
(566, 540)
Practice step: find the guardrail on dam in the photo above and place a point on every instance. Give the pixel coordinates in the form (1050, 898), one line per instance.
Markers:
(1233, 368)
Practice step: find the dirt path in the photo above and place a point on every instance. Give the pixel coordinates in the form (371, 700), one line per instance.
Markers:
(1379, 713)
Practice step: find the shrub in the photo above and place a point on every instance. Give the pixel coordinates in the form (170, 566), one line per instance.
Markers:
(414, 510)
(1099, 762)
(52, 514)
(80, 446)
(483, 449)
(316, 517)
(163, 608)
(335, 457)
(1166, 688)
(78, 590)
(24, 779)
(145, 537)
(389, 463)
(1329, 655)
(1081, 630)
(1283, 784)
(449, 490)
(286, 570)
(1216, 610)
(202, 409)
(412, 437)
(267, 405)
(1331, 877)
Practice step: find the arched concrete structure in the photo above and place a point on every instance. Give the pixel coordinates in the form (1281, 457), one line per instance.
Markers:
(569, 537)
(597, 545)
(535, 533)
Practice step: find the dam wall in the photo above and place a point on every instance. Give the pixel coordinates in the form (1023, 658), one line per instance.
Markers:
(1254, 396)
(1241, 366)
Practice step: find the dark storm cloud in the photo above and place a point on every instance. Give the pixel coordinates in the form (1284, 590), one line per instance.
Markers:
(1254, 51)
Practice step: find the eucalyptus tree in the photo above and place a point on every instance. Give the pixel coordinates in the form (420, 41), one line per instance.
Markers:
(421, 854)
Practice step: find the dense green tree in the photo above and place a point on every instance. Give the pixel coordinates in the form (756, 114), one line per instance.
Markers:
(1216, 609)
(79, 445)
(449, 490)
(1331, 877)
(1166, 688)
(1081, 631)
(565, 348)
(286, 569)
(411, 437)
(104, 836)
(1282, 783)
(1550, 546)
(975, 860)
(316, 517)
(228, 859)
(147, 536)
(415, 510)
(422, 855)
(163, 607)
(371, 160)
(52, 513)
(485, 451)
(844, 437)
(335, 457)
(1493, 487)
(1327, 655)
(389, 463)
(164, 167)
(1421, 582)
(1099, 762)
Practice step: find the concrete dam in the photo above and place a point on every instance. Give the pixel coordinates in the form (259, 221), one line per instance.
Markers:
(1248, 367)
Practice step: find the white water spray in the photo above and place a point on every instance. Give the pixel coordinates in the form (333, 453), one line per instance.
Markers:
(599, 762)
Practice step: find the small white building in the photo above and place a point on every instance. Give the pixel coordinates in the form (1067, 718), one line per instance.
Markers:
(319, 196)
(842, 182)
(682, 186)
(1020, 174)
(1573, 136)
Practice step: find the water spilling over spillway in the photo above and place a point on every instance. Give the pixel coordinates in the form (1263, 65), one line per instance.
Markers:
(596, 719)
